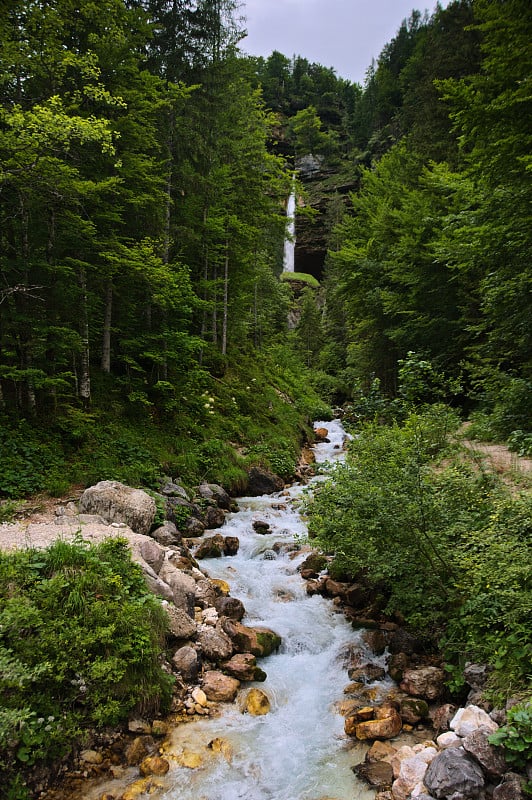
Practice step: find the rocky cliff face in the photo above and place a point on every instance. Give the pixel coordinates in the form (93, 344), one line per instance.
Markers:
(326, 189)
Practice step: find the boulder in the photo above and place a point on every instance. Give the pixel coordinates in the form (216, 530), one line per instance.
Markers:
(244, 667)
(212, 547)
(230, 607)
(321, 434)
(426, 682)
(453, 774)
(205, 593)
(171, 489)
(441, 719)
(183, 587)
(412, 773)
(257, 703)
(151, 552)
(384, 728)
(413, 710)
(490, 758)
(261, 527)
(244, 639)
(166, 534)
(139, 749)
(476, 675)
(448, 739)
(212, 491)
(377, 773)
(231, 545)
(116, 502)
(367, 674)
(187, 662)
(154, 765)
(397, 665)
(213, 517)
(261, 481)
(220, 688)
(375, 640)
(214, 643)
(180, 624)
(469, 719)
(193, 527)
(510, 789)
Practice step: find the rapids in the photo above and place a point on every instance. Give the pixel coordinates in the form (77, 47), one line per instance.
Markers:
(299, 750)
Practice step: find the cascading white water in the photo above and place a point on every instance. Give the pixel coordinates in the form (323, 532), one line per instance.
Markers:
(290, 238)
(298, 751)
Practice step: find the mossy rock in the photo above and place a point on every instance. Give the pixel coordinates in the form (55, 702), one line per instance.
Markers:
(268, 640)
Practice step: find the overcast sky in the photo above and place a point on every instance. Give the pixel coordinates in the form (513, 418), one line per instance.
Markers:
(343, 34)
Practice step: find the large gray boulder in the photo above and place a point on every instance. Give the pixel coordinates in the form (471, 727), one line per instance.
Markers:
(115, 502)
(453, 774)
(183, 587)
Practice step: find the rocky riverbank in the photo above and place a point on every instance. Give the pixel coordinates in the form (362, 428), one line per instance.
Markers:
(211, 654)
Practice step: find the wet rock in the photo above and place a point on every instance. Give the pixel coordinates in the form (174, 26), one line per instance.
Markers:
(398, 663)
(137, 725)
(257, 703)
(220, 688)
(413, 710)
(268, 640)
(367, 674)
(244, 639)
(242, 666)
(213, 517)
(469, 719)
(260, 481)
(187, 662)
(453, 774)
(313, 565)
(159, 727)
(375, 640)
(154, 765)
(321, 434)
(193, 527)
(116, 502)
(138, 789)
(261, 527)
(190, 759)
(211, 547)
(401, 641)
(231, 545)
(139, 749)
(377, 773)
(230, 607)
(205, 593)
(426, 682)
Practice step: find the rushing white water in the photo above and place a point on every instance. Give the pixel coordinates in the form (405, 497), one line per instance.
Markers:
(290, 238)
(299, 750)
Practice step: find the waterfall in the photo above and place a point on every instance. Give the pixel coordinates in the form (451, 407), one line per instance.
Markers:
(290, 238)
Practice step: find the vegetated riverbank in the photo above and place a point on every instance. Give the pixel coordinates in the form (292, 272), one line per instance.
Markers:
(365, 608)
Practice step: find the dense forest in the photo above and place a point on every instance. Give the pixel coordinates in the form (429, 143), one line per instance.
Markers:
(147, 328)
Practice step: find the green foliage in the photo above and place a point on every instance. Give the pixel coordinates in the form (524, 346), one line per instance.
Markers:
(444, 543)
(88, 666)
(516, 736)
(310, 280)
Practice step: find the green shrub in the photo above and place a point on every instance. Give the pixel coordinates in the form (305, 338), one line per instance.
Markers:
(81, 643)
(516, 736)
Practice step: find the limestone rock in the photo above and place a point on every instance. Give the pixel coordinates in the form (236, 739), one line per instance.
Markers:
(215, 643)
(231, 545)
(469, 719)
(510, 789)
(212, 547)
(180, 624)
(490, 758)
(230, 607)
(448, 739)
(413, 710)
(213, 517)
(205, 593)
(190, 759)
(376, 773)
(116, 502)
(367, 674)
(139, 749)
(183, 587)
(453, 773)
(166, 535)
(154, 765)
(261, 527)
(212, 491)
(426, 682)
(219, 687)
(186, 661)
(257, 703)
(386, 728)
(242, 666)
(412, 772)
(441, 719)
(172, 489)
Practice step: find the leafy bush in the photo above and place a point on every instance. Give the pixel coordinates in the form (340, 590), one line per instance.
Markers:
(444, 543)
(516, 736)
(80, 645)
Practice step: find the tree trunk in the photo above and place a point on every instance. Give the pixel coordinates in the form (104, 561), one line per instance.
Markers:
(107, 320)
(226, 298)
(84, 378)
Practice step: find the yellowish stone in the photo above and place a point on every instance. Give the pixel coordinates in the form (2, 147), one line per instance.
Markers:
(190, 759)
(257, 703)
(223, 747)
(223, 586)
